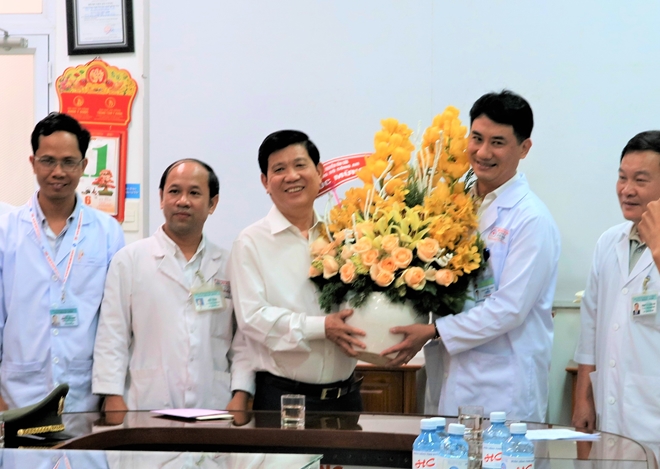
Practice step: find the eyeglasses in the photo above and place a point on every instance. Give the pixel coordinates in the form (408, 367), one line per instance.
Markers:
(67, 164)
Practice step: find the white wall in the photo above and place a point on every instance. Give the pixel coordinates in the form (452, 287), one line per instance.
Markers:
(334, 69)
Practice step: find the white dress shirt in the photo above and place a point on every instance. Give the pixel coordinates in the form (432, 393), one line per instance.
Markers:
(277, 304)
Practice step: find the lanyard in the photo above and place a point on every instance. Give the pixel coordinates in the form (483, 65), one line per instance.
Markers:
(49, 259)
(66, 462)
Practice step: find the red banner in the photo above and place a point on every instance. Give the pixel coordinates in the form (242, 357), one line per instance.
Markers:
(339, 170)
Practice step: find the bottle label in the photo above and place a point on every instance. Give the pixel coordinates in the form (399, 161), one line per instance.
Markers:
(425, 459)
(492, 455)
(453, 463)
(518, 462)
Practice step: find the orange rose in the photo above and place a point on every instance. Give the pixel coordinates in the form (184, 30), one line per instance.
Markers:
(330, 266)
(362, 245)
(427, 248)
(347, 272)
(388, 264)
(340, 236)
(445, 277)
(389, 243)
(402, 257)
(382, 277)
(370, 257)
(346, 252)
(415, 278)
(318, 246)
(314, 272)
(363, 228)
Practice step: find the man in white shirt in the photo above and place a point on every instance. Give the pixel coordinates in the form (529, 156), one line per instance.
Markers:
(166, 326)
(618, 386)
(54, 255)
(297, 348)
(496, 353)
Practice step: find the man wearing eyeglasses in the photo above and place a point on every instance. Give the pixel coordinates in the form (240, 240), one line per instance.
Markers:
(54, 255)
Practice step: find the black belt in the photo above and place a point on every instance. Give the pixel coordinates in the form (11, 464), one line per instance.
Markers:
(322, 392)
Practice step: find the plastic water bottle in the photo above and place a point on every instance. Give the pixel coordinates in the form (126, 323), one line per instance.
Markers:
(426, 446)
(454, 448)
(493, 438)
(440, 424)
(517, 450)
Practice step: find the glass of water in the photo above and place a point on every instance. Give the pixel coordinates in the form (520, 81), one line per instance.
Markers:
(293, 411)
(471, 416)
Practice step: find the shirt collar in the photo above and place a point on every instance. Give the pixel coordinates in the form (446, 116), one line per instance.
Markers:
(279, 222)
(634, 235)
(39, 214)
(175, 249)
(497, 192)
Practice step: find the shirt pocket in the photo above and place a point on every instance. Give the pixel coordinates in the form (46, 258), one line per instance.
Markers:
(23, 382)
(79, 379)
(641, 413)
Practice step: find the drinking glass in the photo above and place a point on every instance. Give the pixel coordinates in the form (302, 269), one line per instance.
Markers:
(293, 411)
(471, 416)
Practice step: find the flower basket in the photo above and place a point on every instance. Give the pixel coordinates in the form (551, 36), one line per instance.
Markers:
(376, 316)
(410, 232)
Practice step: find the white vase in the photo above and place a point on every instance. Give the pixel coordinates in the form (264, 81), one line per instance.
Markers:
(375, 317)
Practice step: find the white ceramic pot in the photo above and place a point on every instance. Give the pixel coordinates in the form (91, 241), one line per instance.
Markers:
(375, 317)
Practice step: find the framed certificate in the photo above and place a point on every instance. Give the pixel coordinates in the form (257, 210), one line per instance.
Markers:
(99, 26)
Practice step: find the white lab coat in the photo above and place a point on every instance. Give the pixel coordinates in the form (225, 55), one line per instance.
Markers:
(497, 353)
(35, 356)
(625, 349)
(153, 347)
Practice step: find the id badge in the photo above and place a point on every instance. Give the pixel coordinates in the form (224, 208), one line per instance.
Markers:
(64, 317)
(645, 304)
(485, 288)
(209, 299)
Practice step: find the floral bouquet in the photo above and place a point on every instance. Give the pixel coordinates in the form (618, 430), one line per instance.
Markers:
(410, 231)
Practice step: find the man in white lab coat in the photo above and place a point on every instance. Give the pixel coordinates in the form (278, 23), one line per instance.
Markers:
(618, 349)
(166, 326)
(496, 353)
(54, 255)
(5, 208)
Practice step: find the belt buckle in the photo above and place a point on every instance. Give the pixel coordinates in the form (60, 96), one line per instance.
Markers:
(326, 391)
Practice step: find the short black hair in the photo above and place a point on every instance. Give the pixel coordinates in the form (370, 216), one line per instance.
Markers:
(282, 139)
(57, 121)
(643, 141)
(506, 108)
(214, 183)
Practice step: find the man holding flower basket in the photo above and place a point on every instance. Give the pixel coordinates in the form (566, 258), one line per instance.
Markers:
(496, 353)
(298, 349)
